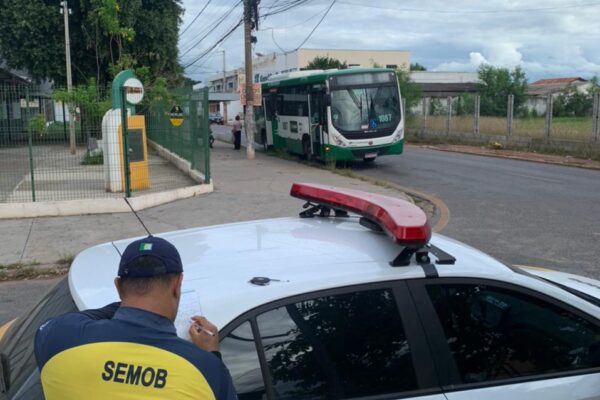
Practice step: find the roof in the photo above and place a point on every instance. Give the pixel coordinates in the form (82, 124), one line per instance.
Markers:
(557, 81)
(304, 255)
(315, 76)
(447, 89)
(544, 87)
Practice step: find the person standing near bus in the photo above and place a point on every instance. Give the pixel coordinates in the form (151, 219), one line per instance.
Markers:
(130, 350)
(237, 132)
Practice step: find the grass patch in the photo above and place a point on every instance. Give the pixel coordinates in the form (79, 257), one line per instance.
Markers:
(93, 159)
(34, 270)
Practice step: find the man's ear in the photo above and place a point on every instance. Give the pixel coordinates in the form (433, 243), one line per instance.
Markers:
(177, 285)
(118, 286)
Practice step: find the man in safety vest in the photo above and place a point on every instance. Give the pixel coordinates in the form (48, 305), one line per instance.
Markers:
(131, 350)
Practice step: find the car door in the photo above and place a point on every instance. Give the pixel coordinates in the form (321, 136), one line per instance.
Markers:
(353, 342)
(500, 341)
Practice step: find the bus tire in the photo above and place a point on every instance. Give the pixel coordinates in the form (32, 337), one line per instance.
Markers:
(306, 149)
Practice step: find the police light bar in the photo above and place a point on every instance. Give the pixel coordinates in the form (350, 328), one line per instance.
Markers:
(403, 221)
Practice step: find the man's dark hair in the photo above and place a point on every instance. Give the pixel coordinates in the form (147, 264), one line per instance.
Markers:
(140, 286)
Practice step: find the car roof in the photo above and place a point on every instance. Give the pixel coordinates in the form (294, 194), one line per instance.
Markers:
(299, 255)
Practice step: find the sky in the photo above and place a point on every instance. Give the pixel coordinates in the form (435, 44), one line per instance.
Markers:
(547, 38)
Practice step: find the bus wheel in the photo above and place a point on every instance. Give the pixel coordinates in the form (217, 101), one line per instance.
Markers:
(306, 150)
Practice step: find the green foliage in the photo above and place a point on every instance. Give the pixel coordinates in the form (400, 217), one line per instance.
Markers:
(93, 159)
(497, 84)
(417, 67)
(106, 37)
(326, 63)
(572, 103)
(38, 125)
(408, 89)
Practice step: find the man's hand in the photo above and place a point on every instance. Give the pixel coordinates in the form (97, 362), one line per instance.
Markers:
(204, 334)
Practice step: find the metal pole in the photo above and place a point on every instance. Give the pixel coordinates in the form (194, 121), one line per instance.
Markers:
(424, 113)
(206, 136)
(125, 134)
(548, 127)
(476, 114)
(595, 117)
(224, 89)
(65, 11)
(509, 114)
(30, 142)
(449, 117)
(64, 119)
(249, 79)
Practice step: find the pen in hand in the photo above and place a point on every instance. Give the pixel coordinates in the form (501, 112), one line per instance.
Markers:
(201, 328)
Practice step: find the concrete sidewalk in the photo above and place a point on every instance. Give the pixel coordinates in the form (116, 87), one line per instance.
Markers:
(244, 190)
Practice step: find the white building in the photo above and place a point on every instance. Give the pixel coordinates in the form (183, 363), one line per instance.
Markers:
(539, 91)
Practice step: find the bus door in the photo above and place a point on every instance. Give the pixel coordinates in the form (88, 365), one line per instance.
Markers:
(317, 121)
(271, 103)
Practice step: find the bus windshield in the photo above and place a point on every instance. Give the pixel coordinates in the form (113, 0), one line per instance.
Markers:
(365, 109)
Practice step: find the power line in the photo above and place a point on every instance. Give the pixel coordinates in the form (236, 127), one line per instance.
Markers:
(221, 40)
(311, 32)
(210, 29)
(195, 18)
(505, 10)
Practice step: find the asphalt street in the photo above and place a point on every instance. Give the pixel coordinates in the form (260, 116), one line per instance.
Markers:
(520, 212)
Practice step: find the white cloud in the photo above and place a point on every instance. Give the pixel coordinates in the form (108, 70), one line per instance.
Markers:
(563, 41)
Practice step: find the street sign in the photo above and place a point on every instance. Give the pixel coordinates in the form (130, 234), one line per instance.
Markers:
(134, 90)
(257, 93)
(176, 116)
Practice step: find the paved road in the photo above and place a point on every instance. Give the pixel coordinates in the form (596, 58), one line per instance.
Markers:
(520, 212)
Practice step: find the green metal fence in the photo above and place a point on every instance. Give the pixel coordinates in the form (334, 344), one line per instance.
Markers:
(187, 138)
(39, 162)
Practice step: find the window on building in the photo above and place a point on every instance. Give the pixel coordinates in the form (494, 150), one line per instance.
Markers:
(391, 66)
(496, 333)
(230, 85)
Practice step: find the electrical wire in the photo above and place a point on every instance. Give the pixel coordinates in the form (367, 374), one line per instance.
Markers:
(195, 18)
(311, 32)
(221, 40)
(211, 28)
(437, 11)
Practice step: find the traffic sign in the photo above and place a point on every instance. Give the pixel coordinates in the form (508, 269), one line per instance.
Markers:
(176, 116)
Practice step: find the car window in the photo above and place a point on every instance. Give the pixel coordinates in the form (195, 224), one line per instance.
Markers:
(16, 346)
(496, 333)
(239, 355)
(338, 346)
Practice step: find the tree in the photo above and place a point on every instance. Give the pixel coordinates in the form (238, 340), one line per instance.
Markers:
(326, 63)
(417, 67)
(409, 90)
(497, 84)
(106, 36)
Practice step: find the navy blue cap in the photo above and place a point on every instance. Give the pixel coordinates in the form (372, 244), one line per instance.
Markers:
(149, 257)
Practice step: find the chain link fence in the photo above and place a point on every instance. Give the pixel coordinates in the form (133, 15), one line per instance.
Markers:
(52, 145)
(547, 120)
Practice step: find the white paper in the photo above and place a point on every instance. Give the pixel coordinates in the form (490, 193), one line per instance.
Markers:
(189, 306)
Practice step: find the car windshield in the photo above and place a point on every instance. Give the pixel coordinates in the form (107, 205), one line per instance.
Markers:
(368, 108)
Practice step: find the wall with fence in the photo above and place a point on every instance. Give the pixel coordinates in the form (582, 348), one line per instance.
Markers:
(53, 149)
(531, 118)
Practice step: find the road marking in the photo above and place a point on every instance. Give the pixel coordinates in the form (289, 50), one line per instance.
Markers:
(538, 178)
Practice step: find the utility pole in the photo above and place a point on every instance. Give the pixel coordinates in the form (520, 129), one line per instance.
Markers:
(65, 10)
(224, 89)
(249, 13)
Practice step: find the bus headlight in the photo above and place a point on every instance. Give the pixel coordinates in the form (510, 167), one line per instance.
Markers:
(337, 140)
(398, 136)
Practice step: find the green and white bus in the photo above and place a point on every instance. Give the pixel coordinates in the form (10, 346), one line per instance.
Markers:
(351, 114)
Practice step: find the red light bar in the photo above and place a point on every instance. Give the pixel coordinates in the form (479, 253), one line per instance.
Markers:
(403, 221)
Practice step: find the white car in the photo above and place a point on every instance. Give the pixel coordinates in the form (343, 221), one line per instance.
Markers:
(356, 299)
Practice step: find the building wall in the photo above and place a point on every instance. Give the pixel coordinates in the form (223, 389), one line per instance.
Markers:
(358, 58)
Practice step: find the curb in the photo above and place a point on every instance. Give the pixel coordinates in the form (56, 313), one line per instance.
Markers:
(509, 157)
(99, 206)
